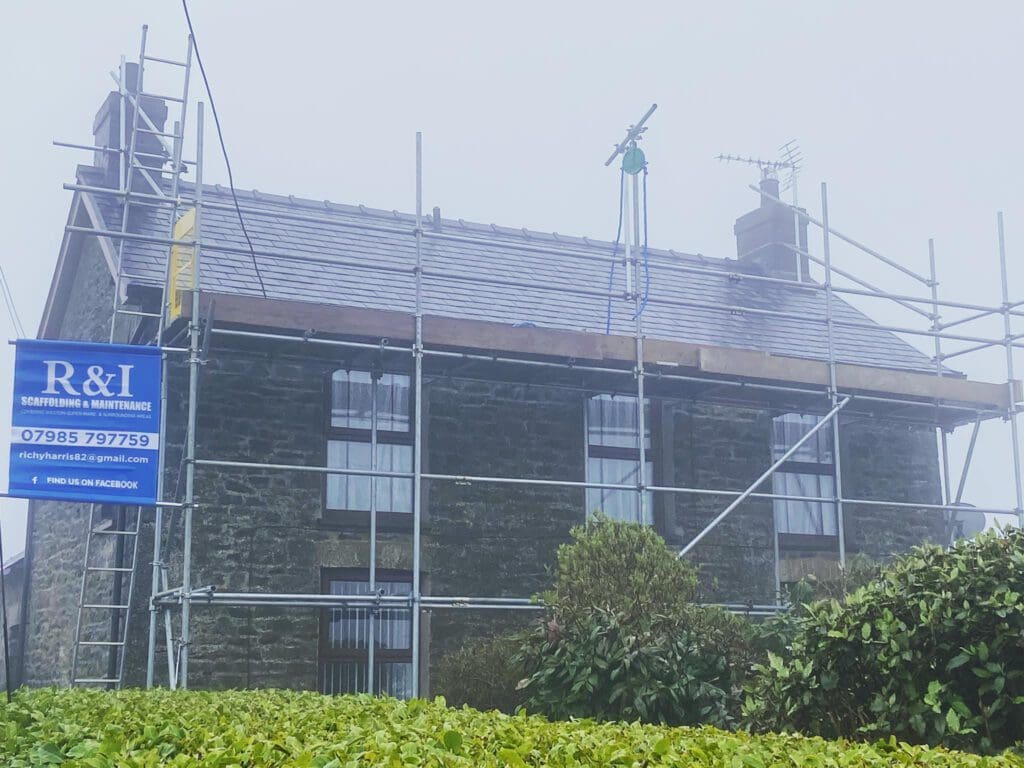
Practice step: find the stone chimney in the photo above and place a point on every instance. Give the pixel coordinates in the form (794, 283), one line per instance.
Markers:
(765, 237)
(107, 127)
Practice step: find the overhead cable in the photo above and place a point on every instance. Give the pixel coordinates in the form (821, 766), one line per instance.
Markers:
(12, 310)
(223, 148)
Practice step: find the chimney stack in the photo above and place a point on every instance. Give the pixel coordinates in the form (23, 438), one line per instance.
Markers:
(765, 237)
(107, 127)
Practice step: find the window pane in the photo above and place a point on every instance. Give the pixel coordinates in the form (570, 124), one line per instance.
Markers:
(611, 421)
(348, 631)
(394, 679)
(810, 517)
(619, 505)
(351, 398)
(343, 677)
(352, 492)
(393, 403)
(349, 628)
(391, 678)
(788, 428)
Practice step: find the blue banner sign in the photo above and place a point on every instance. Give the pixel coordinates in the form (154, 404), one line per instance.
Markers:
(86, 422)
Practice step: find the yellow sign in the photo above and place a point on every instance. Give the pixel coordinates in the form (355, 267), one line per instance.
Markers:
(183, 263)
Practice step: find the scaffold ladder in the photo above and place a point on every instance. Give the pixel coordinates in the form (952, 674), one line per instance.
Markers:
(142, 174)
(105, 599)
(145, 179)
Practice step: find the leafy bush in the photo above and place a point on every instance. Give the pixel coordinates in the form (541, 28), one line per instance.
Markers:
(932, 651)
(624, 568)
(776, 633)
(260, 729)
(483, 674)
(621, 639)
(643, 669)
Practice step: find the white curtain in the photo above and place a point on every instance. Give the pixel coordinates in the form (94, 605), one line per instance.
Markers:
(814, 517)
(619, 505)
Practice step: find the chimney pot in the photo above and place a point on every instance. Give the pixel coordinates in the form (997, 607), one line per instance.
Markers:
(769, 188)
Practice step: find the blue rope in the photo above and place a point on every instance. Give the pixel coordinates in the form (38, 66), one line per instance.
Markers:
(615, 252)
(647, 266)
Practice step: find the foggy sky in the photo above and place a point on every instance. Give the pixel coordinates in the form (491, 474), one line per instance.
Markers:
(910, 111)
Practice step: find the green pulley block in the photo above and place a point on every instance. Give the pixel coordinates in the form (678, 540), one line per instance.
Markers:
(633, 160)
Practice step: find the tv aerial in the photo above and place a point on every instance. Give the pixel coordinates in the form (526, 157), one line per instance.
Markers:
(790, 162)
(633, 162)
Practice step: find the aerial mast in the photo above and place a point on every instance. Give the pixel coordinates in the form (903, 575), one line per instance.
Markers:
(633, 161)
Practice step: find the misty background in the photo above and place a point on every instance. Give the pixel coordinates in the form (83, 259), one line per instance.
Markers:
(910, 111)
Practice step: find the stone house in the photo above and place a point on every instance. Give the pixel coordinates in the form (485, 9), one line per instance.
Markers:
(306, 363)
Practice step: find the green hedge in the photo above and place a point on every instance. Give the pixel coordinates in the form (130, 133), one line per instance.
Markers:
(101, 729)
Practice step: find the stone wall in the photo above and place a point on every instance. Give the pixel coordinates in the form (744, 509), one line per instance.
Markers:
(57, 531)
(90, 303)
(890, 462)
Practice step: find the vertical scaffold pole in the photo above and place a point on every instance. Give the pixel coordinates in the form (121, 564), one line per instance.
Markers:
(417, 450)
(193, 407)
(1010, 384)
(943, 437)
(633, 267)
(371, 611)
(833, 389)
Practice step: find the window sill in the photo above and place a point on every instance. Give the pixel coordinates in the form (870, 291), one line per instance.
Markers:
(808, 542)
(348, 519)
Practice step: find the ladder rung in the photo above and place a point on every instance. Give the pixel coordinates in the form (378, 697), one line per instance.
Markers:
(97, 680)
(135, 313)
(130, 195)
(109, 570)
(166, 61)
(107, 606)
(109, 532)
(157, 133)
(101, 642)
(158, 169)
(161, 96)
(165, 158)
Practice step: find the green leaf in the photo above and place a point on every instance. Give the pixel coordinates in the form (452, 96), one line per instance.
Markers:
(957, 661)
(452, 740)
(953, 721)
(511, 757)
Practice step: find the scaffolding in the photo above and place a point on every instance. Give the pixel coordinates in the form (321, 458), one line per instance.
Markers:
(832, 398)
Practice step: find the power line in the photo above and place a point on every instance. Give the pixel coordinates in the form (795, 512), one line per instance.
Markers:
(12, 310)
(223, 148)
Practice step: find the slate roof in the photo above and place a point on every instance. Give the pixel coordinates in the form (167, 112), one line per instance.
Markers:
(368, 242)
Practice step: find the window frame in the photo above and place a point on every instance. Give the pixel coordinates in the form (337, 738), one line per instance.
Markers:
(623, 453)
(387, 520)
(326, 655)
(798, 541)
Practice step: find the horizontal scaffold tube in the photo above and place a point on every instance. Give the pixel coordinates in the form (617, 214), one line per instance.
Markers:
(576, 484)
(209, 596)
